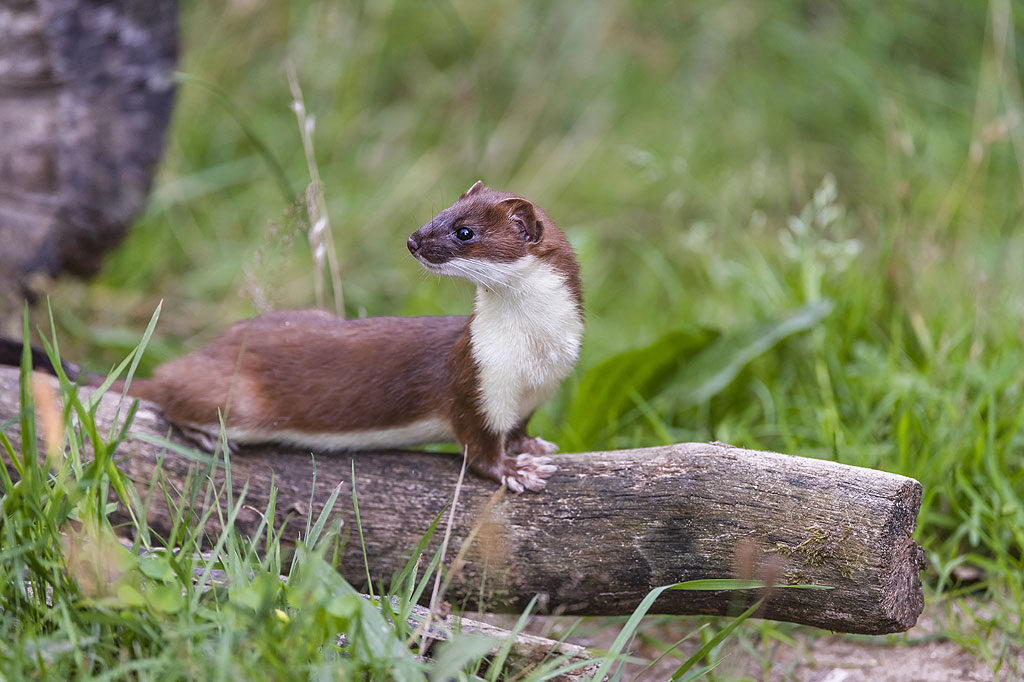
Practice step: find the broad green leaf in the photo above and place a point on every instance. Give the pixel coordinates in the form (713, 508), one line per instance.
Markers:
(684, 367)
(315, 585)
(605, 391)
(714, 368)
(157, 567)
(164, 598)
(455, 655)
(129, 596)
(257, 592)
(346, 607)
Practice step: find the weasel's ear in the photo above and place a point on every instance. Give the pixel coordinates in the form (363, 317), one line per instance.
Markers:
(520, 212)
(477, 186)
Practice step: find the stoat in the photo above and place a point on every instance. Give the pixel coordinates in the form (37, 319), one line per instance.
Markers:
(308, 378)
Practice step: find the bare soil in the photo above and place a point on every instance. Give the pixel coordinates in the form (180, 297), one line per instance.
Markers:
(923, 654)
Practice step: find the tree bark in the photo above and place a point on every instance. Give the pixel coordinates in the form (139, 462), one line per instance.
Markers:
(86, 90)
(610, 527)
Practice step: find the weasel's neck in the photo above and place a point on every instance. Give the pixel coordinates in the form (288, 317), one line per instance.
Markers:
(527, 282)
(525, 335)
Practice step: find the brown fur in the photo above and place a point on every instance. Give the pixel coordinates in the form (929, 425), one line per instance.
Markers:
(308, 371)
(508, 227)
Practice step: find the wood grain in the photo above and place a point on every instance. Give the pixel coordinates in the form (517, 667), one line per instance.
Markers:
(610, 526)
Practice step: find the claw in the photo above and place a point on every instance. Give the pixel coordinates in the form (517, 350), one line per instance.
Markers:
(512, 484)
(534, 483)
(527, 472)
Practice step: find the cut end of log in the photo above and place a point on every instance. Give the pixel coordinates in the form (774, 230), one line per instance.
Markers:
(904, 598)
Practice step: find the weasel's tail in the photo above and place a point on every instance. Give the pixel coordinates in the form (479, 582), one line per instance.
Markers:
(10, 354)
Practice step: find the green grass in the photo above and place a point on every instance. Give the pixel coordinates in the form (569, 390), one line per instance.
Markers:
(80, 600)
(719, 166)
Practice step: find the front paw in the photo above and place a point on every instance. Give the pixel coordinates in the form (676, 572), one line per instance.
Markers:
(526, 472)
(532, 446)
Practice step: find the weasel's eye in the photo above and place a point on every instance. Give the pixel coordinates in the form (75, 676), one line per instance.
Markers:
(463, 234)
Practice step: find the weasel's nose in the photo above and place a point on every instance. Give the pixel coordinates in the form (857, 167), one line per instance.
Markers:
(412, 244)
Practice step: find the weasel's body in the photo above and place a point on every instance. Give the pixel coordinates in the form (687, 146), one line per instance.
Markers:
(308, 378)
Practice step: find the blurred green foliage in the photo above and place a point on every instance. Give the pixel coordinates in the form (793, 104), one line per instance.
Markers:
(717, 165)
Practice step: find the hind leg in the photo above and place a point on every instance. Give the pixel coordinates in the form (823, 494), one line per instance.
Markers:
(518, 442)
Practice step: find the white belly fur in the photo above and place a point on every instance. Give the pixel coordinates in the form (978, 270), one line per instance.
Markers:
(525, 339)
(431, 430)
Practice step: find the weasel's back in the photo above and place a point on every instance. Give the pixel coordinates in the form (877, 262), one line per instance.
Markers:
(307, 371)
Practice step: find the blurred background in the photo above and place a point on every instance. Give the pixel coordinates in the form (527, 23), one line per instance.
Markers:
(798, 221)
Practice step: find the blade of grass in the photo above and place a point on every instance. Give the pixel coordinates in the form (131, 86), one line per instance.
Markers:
(359, 527)
(224, 99)
(498, 663)
(715, 641)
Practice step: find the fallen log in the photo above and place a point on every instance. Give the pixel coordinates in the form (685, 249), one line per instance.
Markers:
(610, 526)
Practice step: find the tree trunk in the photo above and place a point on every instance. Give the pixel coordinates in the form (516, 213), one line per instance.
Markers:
(86, 90)
(610, 526)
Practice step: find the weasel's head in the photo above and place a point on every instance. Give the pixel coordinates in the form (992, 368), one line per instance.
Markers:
(487, 235)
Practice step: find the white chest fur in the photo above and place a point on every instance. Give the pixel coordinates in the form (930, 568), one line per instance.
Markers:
(525, 338)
